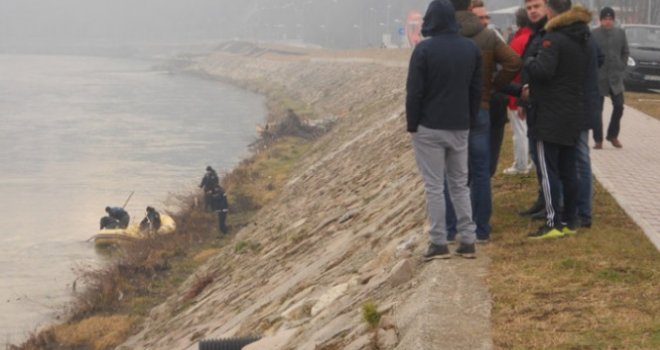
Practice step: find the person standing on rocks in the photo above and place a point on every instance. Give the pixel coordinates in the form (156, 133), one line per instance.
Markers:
(219, 205)
(209, 182)
(442, 101)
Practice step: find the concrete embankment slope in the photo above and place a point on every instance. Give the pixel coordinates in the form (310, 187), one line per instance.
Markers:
(347, 228)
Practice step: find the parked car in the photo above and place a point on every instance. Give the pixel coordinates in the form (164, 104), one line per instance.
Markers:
(643, 69)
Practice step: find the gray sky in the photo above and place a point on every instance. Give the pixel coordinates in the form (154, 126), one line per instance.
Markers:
(337, 23)
(116, 21)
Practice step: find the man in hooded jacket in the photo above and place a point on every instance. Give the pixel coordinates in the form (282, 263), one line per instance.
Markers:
(557, 76)
(443, 93)
(494, 51)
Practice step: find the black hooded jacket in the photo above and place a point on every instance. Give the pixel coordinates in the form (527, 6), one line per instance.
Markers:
(444, 76)
(557, 76)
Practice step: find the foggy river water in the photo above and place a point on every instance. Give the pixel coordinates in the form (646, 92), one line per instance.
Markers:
(80, 133)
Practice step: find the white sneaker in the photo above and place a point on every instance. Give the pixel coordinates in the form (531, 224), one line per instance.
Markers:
(514, 171)
(530, 166)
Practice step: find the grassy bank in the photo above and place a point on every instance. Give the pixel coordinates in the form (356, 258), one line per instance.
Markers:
(647, 102)
(597, 290)
(116, 298)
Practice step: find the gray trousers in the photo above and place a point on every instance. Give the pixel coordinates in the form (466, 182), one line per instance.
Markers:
(439, 153)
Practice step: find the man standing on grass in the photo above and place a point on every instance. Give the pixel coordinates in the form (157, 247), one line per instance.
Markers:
(518, 124)
(613, 44)
(494, 51)
(536, 12)
(557, 76)
(443, 93)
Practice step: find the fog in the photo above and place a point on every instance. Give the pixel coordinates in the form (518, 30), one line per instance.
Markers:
(48, 22)
(65, 24)
(56, 24)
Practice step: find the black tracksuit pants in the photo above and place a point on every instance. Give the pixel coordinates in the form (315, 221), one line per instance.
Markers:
(558, 173)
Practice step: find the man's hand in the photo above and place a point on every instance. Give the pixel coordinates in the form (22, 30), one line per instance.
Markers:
(525, 92)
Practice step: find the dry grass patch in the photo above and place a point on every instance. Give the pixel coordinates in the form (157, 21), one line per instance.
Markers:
(94, 333)
(256, 181)
(98, 332)
(596, 290)
(647, 102)
(205, 254)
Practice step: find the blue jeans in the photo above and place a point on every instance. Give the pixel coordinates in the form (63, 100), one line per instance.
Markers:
(585, 190)
(478, 179)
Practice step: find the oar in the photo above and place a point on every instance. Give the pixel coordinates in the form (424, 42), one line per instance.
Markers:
(127, 199)
(105, 235)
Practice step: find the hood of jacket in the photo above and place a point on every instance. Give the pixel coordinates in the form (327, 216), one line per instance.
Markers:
(469, 24)
(439, 19)
(574, 23)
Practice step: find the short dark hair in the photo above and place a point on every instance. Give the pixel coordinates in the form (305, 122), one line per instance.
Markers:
(559, 6)
(522, 20)
(461, 5)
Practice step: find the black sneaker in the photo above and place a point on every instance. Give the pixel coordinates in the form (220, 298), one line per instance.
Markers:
(466, 251)
(533, 209)
(539, 215)
(585, 223)
(436, 252)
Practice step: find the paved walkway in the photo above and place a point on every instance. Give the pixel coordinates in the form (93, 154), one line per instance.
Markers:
(632, 174)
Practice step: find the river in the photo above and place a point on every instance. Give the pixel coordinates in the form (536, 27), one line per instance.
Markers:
(80, 133)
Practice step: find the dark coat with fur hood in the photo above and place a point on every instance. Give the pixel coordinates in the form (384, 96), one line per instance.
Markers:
(557, 77)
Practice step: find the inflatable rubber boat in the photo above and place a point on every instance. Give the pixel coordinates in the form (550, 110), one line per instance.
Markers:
(116, 236)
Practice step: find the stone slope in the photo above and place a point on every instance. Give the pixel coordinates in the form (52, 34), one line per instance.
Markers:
(347, 228)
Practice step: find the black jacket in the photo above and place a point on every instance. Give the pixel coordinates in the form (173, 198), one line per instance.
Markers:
(532, 49)
(209, 181)
(444, 76)
(151, 221)
(592, 96)
(557, 76)
(219, 199)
